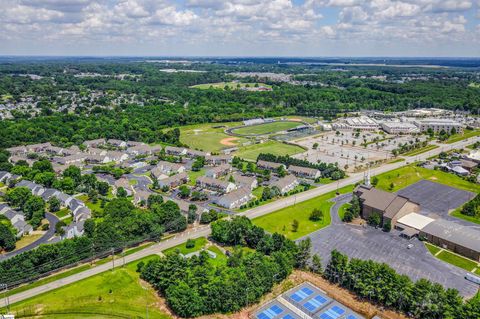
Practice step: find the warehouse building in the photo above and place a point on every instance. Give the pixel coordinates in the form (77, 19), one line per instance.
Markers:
(460, 239)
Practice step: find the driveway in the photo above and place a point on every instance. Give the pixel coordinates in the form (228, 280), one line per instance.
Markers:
(369, 243)
(52, 220)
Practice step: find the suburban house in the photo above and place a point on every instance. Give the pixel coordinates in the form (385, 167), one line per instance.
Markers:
(125, 184)
(194, 153)
(215, 184)
(97, 151)
(184, 206)
(94, 143)
(214, 160)
(468, 165)
(173, 181)
(116, 156)
(245, 181)
(143, 149)
(141, 195)
(217, 171)
(305, 172)
(286, 184)
(38, 148)
(389, 206)
(271, 166)
(73, 230)
(177, 151)
(71, 159)
(16, 219)
(17, 150)
(117, 143)
(235, 198)
(167, 168)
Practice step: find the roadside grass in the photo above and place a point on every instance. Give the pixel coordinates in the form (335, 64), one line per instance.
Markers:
(251, 152)
(420, 150)
(208, 137)
(266, 128)
(407, 175)
(199, 244)
(194, 175)
(432, 248)
(117, 293)
(281, 220)
(26, 240)
(457, 213)
(397, 160)
(342, 210)
(460, 137)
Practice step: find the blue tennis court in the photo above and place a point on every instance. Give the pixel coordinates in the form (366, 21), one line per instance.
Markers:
(301, 294)
(315, 303)
(270, 313)
(288, 316)
(352, 317)
(332, 313)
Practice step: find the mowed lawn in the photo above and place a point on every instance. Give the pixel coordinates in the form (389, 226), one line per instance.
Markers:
(460, 137)
(112, 294)
(266, 128)
(408, 175)
(281, 220)
(182, 248)
(251, 152)
(209, 137)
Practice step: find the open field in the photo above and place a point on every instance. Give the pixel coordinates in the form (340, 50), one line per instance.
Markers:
(266, 128)
(199, 244)
(112, 294)
(26, 240)
(231, 85)
(460, 137)
(251, 152)
(407, 175)
(281, 220)
(208, 137)
(420, 150)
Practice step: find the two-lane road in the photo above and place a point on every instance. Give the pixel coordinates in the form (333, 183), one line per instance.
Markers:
(252, 213)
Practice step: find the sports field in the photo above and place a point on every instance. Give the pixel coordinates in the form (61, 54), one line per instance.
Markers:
(408, 175)
(112, 294)
(281, 220)
(265, 128)
(231, 85)
(251, 152)
(209, 137)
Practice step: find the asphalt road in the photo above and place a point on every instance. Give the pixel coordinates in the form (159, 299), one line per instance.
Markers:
(52, 220)
(252, 213)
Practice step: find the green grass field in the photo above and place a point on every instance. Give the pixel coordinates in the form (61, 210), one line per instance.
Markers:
(251, 152)
(420, 150)
(231, 85)
(432, 248)
(199, 244)
(407, 175)
(460, 137)
(112, 294)
(281, 220)
(194, 175)
(208, 138)
(266, 128)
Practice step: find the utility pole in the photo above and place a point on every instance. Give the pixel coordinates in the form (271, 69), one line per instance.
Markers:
(7, 302)
(113, 258)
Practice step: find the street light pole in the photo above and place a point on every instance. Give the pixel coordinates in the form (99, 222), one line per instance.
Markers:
(7, 302)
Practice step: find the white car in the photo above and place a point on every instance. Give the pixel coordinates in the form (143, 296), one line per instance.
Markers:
(410, 246)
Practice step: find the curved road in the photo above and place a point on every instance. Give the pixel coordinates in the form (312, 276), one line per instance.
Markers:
(252, 213)
(52, 220)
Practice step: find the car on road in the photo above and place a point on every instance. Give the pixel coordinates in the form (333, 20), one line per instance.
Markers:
(409, 246)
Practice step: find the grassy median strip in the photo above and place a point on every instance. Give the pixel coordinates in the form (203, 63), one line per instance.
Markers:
(452, 258)
(282, 220)
(420, 150)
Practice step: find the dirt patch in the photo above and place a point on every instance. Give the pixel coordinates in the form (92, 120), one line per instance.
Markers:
(229, 141)
(433, 178)
(295, 120)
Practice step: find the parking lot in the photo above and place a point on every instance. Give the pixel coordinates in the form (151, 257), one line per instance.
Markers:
(369, 243)
(435, 199)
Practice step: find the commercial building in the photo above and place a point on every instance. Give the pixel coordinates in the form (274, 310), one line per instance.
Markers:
(394, 127)
(362, 123)
(455, 237)
(438, 125)
(389, 206)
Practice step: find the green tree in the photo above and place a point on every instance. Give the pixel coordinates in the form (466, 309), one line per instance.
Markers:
(121, 192)
(295, 225)
(53, 204)
(184, 191)
(316, 215)
(7, 238)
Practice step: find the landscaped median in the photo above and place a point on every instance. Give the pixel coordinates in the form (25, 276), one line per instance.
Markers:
(281, 221)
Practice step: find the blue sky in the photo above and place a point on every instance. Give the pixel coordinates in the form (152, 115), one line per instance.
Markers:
(241, 27)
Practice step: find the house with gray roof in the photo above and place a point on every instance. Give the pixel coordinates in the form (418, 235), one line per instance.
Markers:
(286, 184)
(174, 180)
(271, 166)
(214, 160)
(235, 198)
(305, 172)
(218, 171)
(215, 184)
(177, 151)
